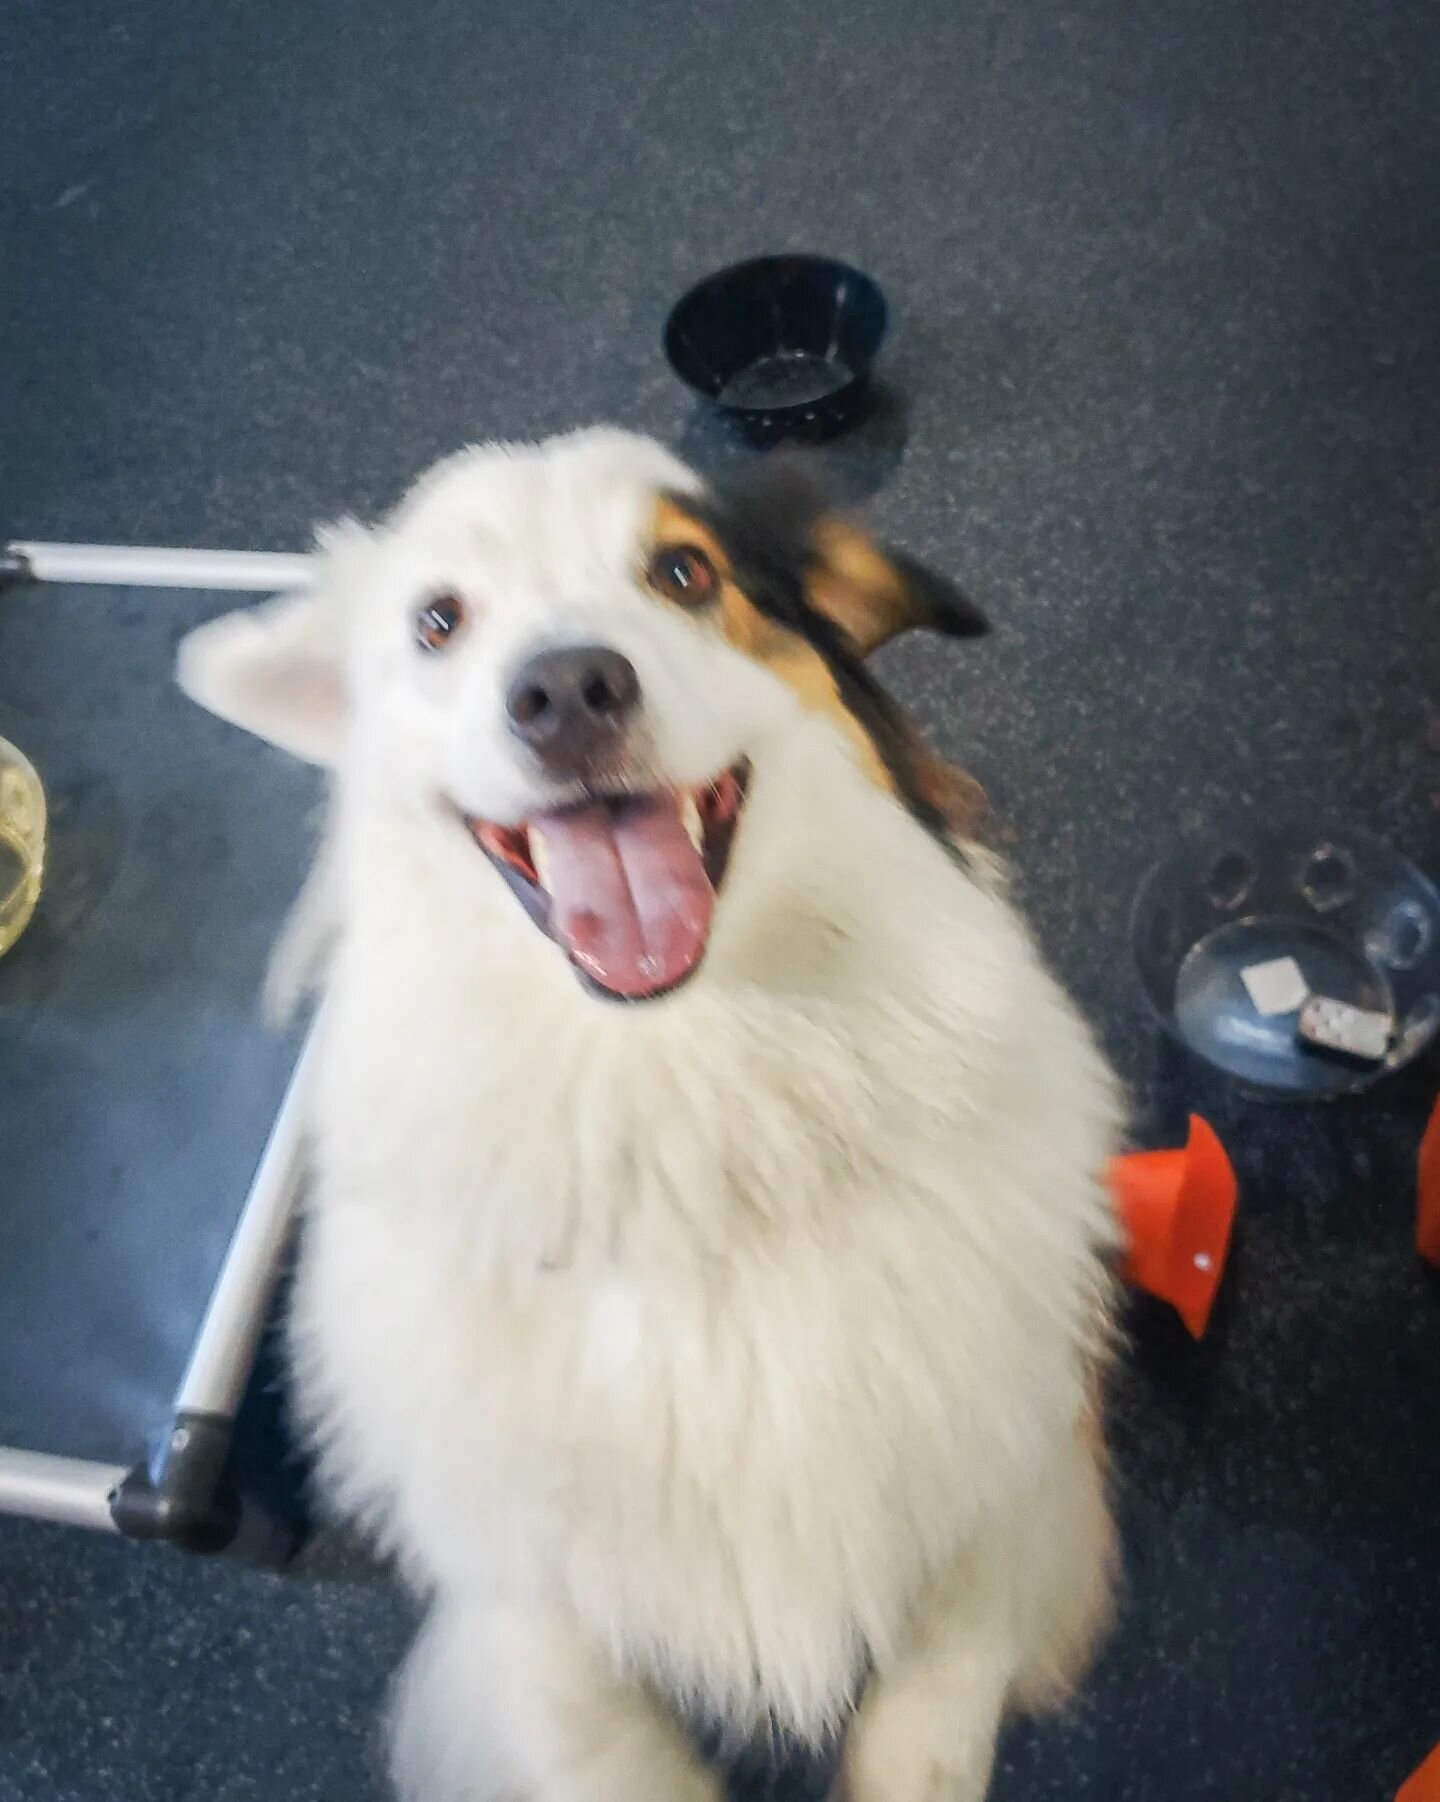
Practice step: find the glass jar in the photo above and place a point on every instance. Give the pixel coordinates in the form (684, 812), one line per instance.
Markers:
(22, 842)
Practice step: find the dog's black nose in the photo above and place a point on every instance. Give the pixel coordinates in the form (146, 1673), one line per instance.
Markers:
(572, 706)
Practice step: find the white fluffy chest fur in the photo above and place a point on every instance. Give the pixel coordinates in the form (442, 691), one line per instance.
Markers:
(726, 1322)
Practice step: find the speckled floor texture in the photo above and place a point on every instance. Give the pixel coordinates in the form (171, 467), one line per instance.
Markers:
(1164, 391)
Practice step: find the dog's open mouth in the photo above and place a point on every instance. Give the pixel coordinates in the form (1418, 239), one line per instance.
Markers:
(625, 884)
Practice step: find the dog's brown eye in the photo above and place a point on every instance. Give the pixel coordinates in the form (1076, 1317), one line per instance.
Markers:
(438, 621)
(682, 573)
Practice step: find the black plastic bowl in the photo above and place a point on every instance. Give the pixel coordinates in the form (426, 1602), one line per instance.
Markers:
(782, 345)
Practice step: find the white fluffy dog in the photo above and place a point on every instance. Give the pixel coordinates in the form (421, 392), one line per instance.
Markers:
(733, 1351)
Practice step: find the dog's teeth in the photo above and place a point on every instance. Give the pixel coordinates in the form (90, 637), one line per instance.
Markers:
(538, 859)
(690, 819)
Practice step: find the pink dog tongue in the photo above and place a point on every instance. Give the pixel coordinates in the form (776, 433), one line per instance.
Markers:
(629, 897)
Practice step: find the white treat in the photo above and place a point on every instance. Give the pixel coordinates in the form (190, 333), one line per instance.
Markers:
(1336, 1026)
(1276, 987)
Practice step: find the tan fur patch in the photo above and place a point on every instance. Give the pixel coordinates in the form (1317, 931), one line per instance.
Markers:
(857, 588)
(955, 796)
(784, 653)
(672, 524)
(801, 667)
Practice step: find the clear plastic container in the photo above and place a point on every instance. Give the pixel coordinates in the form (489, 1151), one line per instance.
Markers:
(1357, 918)
(22, 842)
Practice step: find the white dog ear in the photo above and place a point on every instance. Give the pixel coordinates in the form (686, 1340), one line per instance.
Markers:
(279, 669)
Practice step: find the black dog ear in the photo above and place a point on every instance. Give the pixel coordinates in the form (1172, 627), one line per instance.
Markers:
(775, 505)
(869, 593)
(940, 605)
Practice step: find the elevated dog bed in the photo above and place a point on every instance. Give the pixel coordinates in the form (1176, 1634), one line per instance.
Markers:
(149, 1136)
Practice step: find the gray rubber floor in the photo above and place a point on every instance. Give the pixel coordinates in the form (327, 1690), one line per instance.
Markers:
(1164, 391)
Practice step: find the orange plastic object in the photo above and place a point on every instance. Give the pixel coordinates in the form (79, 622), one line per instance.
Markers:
(1178, 1208)
(1424, 1786)
(1427, 1206)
